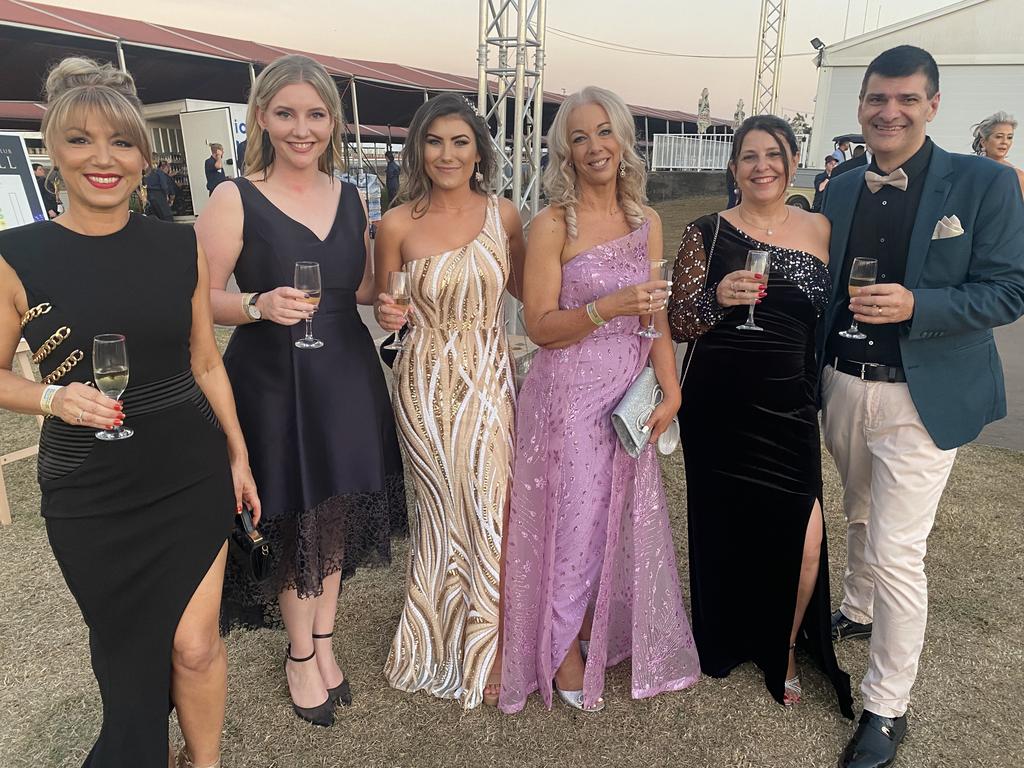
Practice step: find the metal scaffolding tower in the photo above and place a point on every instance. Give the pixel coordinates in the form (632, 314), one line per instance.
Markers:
(511, 57)
(768, 68)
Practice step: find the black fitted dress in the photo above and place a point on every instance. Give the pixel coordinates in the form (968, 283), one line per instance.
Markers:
(753, 457)
(134, 524)
(318, 422)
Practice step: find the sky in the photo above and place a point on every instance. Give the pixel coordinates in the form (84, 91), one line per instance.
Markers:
(442, 35)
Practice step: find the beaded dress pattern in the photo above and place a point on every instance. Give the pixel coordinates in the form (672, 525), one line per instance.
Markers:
(454, 401)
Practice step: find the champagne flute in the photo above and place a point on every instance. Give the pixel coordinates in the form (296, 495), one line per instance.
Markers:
(110, 372)
(862, 274)
(661, 269)
(758, 263)
(307, 280)
(399, 290)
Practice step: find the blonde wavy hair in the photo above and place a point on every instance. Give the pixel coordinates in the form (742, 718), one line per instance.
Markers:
(560, 176)
(288, 70)
(77, 86)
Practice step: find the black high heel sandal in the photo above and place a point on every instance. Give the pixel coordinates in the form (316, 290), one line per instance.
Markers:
(339, 694)
(323, 714)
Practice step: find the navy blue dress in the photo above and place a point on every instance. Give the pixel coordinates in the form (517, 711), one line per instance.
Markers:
(318, 423)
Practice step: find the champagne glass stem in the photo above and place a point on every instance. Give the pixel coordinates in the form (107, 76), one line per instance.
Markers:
(750, 315)
(854, 328)
(309, 328)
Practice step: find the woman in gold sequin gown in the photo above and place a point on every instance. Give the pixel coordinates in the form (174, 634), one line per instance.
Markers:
(454, 400)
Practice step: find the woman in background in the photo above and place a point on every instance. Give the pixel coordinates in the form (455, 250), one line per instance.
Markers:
(993, 137)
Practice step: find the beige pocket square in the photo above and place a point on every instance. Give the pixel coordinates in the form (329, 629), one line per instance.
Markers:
(947, 226)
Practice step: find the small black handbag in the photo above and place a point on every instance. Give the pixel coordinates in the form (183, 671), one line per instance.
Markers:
(249, 547)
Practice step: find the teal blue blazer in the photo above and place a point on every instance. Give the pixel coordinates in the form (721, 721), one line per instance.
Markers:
(963, 288)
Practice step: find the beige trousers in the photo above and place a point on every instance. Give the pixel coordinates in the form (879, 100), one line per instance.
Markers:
(893, 475)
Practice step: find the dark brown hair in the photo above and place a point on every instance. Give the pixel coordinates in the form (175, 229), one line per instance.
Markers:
(775, 127)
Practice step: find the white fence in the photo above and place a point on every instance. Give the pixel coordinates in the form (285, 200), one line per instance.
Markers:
(699, 151)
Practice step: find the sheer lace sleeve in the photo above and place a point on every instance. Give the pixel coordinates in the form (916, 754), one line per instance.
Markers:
(693, 309)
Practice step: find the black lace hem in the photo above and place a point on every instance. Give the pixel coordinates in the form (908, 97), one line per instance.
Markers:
(343, 533)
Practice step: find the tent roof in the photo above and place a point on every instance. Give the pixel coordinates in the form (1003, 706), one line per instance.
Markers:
(131, 32)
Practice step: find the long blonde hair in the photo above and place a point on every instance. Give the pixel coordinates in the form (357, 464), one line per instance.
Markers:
(560, 176)
(288, 70)
(77, 85)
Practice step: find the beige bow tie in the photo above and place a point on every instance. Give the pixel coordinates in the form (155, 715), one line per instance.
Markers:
(897, 178)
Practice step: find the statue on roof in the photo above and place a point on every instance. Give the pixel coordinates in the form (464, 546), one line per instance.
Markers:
(739, 115)
(703, 112)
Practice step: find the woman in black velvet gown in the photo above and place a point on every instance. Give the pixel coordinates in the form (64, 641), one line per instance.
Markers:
(758, 560)
(318, 422)
(138, 525)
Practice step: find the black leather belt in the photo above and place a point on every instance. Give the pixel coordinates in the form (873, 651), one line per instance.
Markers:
(870, 371)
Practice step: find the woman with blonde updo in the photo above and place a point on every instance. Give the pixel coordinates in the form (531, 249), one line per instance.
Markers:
(138, 526)
(993, 137)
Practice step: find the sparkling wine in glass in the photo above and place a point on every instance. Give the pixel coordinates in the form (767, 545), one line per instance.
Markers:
(307, 280)
(758, 262)
(399, 290)
(661, 269)
(110, 372)
(862, 274)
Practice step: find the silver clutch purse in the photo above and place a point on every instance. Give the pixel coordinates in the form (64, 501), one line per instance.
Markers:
(634, 409)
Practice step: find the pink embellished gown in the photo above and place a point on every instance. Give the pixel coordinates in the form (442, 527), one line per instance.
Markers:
(589, 525)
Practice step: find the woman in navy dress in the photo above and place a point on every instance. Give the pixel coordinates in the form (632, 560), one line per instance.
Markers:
(318, 421)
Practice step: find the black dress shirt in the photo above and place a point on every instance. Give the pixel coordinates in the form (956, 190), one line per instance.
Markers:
(881, 228)
(819, 193)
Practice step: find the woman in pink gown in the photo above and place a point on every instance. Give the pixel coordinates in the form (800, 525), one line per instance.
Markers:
(590, 575)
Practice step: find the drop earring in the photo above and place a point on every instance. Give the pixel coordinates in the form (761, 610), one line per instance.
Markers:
(479, 177)
(622, 169)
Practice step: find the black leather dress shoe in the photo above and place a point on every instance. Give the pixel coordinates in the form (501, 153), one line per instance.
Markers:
(875, 742)
(843, 627)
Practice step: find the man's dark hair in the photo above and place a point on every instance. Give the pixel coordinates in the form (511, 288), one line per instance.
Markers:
(164, 164)
(36, 166)
(904, 61)
(831, 158)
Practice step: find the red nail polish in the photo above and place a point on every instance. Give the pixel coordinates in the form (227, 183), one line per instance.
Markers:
(759, 277)
(117, 406)
(761, 295)
(760, 287)
(758, 301)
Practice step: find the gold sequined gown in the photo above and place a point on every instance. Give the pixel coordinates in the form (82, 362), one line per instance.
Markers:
(454, 404)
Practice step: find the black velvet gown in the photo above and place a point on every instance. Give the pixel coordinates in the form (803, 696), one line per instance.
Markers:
(753, 458)
(318, 423)
(134, 524)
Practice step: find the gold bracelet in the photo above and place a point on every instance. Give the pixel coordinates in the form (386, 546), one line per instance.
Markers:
(46, 401)
(594, 315)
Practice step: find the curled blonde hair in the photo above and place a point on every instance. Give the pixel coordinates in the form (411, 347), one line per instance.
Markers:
(288, 70)
(77, 86)
(560, 176)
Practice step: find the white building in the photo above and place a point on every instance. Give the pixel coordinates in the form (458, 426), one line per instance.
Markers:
(979, 47)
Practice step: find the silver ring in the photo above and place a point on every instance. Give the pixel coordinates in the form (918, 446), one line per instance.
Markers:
(879, 310)
(80, 416)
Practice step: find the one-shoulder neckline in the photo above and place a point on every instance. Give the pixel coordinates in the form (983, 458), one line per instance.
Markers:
(464, 246)
(272, 204)
(606, 243)
(769, 246)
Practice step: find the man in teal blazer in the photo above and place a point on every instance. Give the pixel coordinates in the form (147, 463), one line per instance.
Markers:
(944, 237)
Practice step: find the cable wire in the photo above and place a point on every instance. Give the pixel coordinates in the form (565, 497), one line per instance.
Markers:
(623, 48)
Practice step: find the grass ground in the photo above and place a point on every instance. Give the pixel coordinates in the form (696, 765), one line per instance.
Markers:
(966, 711)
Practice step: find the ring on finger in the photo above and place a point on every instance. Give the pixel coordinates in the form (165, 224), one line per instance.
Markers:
(80, 416)
(879, 310)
